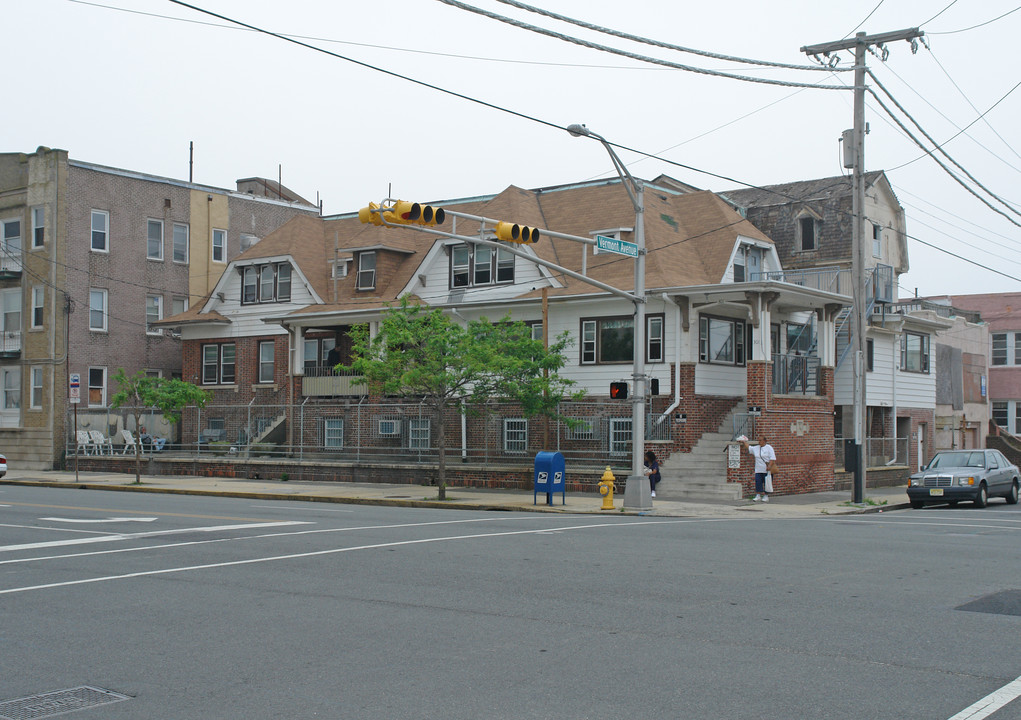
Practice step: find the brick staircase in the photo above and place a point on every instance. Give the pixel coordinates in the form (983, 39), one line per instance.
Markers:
(702, 473)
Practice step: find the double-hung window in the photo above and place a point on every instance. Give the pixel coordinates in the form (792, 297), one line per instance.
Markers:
(154, 240)
(914, 352)
(419, 433)
(807, 231)
(10, 237)
(219, 245)
(12, 388)
(180, 243)
(218, 364)
(38, 227)
(97, 387)
(36, 397)
(266, 364)
(100, 231)
(999, 348)
(38, 305)
(98, 310)
(1001, 413)
(153, 313)
(654, 338)
(480, 266)
(721, 340)
(266, 283)
(366, 270)
(607, 340)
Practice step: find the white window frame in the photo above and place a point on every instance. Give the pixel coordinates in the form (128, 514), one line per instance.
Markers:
(219, 243)
(515, 435)
(36, 391)
(333, 433)
(153, 302)
(11, 244)
(100, 386)
(104, 232)
(103, 309)
(655, 347)
(419, 433)
(150, 225)
(999, 353)
(38, 227)
(388, 427)
(10, 397)
(181, 242)
(366, 274)
(38, 307)
(737, 333)
(10, 310)
(592, 330)
(877, 240)
(267, 363)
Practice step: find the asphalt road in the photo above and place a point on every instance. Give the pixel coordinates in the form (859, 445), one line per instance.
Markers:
(192, 607)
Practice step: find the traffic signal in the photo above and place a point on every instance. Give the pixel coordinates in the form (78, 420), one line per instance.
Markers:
(512, 232)
(618, 390)
(402, 212)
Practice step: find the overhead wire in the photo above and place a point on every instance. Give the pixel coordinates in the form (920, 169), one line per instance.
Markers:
(658, 43)
(973, 27)
(944, 152)
(539, 120)
(623, 53)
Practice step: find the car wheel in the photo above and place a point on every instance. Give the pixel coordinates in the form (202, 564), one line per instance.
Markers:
(1012, 495)
(917, 504)
(982, 499)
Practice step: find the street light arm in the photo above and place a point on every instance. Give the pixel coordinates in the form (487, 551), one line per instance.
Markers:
(630, 184)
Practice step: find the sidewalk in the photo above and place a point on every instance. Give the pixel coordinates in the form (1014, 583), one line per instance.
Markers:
(406, 495)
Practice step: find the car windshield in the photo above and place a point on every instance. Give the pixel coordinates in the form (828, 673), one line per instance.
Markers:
(958, 459)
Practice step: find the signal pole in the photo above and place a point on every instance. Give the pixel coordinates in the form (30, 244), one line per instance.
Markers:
(860, 43)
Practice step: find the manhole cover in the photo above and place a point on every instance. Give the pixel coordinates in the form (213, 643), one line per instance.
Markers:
(56, 703)
(1007, 602)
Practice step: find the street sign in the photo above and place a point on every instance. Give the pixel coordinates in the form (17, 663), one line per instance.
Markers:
(613, 245)
(74, 388)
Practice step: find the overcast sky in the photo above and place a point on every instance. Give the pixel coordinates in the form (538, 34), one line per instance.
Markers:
(129, 83)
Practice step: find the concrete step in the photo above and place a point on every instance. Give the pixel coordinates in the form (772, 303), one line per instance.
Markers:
(694, 490)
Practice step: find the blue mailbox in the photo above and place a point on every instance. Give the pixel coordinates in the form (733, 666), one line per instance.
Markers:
(549, 476)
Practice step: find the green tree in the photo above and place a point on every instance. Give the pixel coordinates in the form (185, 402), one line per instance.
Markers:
(421, 352)
(140, 392)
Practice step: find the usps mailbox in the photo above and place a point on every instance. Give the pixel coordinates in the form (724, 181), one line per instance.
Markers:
(549, 476)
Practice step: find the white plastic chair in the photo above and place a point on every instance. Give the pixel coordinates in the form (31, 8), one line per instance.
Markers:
(102, 444)
(129, 441)
(84, 443)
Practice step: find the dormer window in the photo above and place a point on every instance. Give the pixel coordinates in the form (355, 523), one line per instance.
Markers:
(482, 266)
(807, 233)
(367, 270)
(266, 283)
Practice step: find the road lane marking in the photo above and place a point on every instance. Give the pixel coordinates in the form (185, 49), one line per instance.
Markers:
(335, 551)
(137, 512)
(99, 520)
(135, 536)
(991, 702)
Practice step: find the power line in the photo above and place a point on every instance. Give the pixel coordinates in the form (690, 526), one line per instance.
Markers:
(358, 44)
(942, 151)
(952, 3)
(623, 53)
(660, 44)
(973, 27)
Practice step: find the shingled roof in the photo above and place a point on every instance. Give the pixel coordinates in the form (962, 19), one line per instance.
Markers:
(689, 239)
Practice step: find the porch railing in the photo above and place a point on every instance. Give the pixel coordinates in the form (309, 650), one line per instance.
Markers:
(796, 374)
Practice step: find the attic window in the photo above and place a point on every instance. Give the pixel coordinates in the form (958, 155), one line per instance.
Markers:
(266, 283)
(807, 232)
(367, 270)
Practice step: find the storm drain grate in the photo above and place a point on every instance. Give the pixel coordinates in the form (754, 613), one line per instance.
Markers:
(1007, 602)
(56, 703)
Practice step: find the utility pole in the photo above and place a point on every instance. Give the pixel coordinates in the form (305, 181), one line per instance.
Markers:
(859, 43)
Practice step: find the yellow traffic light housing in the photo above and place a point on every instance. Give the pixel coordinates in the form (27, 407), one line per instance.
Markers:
(402, 212)
(512, 232)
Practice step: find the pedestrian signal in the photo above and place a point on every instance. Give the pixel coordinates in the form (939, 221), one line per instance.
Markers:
(618, 390)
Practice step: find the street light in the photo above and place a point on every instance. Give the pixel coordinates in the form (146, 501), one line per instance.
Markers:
(637, 495)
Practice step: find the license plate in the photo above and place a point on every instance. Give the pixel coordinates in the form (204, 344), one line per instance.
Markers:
(936, 492)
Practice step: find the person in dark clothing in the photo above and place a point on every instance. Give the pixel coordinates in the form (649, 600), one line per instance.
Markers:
(652, 470)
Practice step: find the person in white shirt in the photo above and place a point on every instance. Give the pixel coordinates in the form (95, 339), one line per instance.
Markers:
(765, 462)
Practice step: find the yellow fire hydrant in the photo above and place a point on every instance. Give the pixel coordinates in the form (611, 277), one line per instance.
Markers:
(606, 489)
